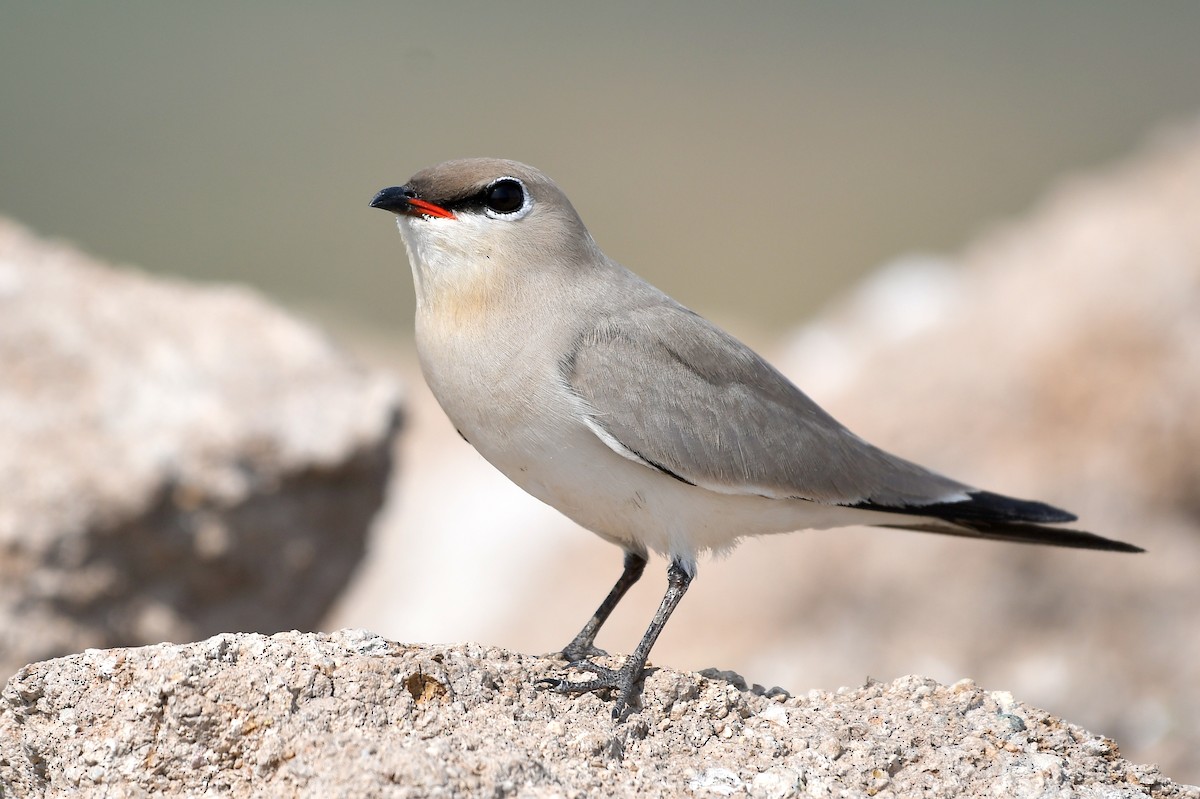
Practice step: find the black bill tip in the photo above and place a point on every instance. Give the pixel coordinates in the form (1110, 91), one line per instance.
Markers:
(395, 199)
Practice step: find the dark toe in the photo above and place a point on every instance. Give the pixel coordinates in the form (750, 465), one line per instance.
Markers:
(623, 681)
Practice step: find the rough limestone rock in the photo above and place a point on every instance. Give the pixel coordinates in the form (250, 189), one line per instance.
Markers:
(175, 460)
(353, 715)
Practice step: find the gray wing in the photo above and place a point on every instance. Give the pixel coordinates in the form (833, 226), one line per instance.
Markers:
(665, 387)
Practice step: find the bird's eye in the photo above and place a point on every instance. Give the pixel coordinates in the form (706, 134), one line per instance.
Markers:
(505, 196)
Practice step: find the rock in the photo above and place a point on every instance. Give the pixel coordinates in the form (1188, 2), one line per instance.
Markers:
(175, 460)
(351, 714)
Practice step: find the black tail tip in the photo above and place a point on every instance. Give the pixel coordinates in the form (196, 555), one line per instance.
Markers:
(1121, 546)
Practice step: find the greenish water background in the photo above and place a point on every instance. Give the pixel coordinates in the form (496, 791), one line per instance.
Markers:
(751, 159)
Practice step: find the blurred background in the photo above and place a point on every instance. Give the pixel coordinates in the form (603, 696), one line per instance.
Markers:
(753, 161)
(750, 160)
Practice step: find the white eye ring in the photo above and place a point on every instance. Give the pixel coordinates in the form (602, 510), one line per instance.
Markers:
(516, 213)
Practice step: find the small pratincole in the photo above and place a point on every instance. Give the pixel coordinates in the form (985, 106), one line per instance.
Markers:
(643, 422)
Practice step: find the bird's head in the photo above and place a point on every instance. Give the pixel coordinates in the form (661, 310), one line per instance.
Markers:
(485, 219)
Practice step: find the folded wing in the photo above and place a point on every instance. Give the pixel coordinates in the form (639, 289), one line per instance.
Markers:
(664, 387)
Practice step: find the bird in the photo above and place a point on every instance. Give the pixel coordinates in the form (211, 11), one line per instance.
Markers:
(634, 416)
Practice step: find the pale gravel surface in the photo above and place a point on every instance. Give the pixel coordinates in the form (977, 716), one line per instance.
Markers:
(352, 715)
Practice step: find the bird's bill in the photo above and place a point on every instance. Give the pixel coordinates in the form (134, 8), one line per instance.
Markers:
(400, 200)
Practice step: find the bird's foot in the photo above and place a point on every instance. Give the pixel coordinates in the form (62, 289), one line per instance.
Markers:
(622, 681)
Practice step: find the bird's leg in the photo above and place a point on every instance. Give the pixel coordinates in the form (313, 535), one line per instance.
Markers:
(582, 646)
(626, 678)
